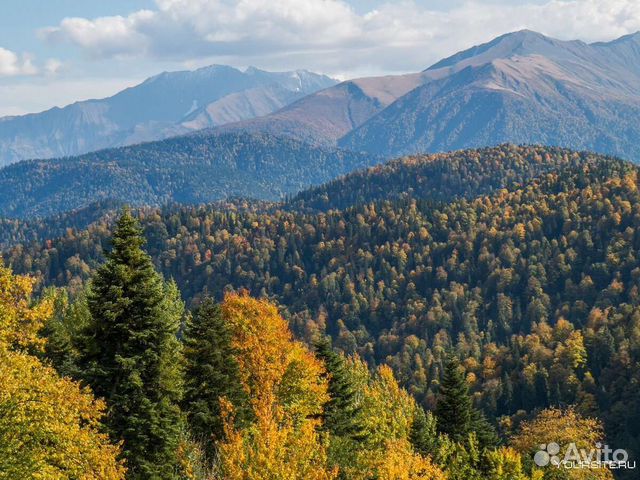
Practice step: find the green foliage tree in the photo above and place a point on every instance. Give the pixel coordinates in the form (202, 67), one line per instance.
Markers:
(424, 432)
(454, 408)
(342, 413)
(211, 374)
(485, 432)
(132, 354)
(64, 332)
(455, 413)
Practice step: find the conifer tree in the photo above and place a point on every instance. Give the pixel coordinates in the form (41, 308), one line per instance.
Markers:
(131, 356)
(64, 331)
(454, 411)
(423, 434)
(211, 374)
(342, 413)
(485, 432)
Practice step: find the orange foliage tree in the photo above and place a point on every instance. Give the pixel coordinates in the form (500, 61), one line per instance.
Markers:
(287, 391)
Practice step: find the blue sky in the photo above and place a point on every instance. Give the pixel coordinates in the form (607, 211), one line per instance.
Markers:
(56, 51)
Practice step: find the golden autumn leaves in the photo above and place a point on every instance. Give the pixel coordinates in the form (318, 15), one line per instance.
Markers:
(288, 390)
(49, 425)
(287, 394)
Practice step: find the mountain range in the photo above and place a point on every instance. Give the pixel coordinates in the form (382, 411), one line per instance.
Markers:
(165, 105)
(235, 139)
(521, 87)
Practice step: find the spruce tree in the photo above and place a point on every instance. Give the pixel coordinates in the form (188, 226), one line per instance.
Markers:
(505, 401)
(131, 355)
(423, 434)
(455, 413)
(485, 432)
(453, 410)
(342, 413)
(211, 373)
(541, 385)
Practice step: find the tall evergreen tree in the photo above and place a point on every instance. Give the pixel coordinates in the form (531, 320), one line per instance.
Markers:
(455, 413)
(541, 385)
(211, 373)
(505, 401)
(342, 415)
(131, 355)
(485, 432)
(453, 410)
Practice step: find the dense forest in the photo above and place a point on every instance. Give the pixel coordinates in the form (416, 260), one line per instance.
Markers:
(439, 177)
(123, 383)
(193, 169)
(502, 281)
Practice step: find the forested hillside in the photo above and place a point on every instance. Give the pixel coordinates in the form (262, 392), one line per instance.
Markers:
(534, 287)
(224, 392)
(192, 169)
(439, 177)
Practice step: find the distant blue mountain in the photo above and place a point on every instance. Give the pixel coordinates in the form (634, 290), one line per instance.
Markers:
(164, 105)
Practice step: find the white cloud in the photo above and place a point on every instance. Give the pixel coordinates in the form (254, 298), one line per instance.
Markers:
(330, 35)
(52, 66)
(12, 65)
(102, 37)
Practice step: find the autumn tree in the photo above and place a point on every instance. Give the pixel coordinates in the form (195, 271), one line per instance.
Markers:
(400, 462)
(506, 464)
(49, 425)
(388, 414)
(287, 389)
(562, 427)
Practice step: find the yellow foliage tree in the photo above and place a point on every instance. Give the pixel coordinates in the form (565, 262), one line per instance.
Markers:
(388, 409)
(506, 464)
(20, 321)
(398, 461)
(287, 390)
(272, 364)
(563, 427)
(274, 448)
(49, 426)
(388, 412)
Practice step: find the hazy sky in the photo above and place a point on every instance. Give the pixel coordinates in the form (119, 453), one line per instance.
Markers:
(53, 52)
